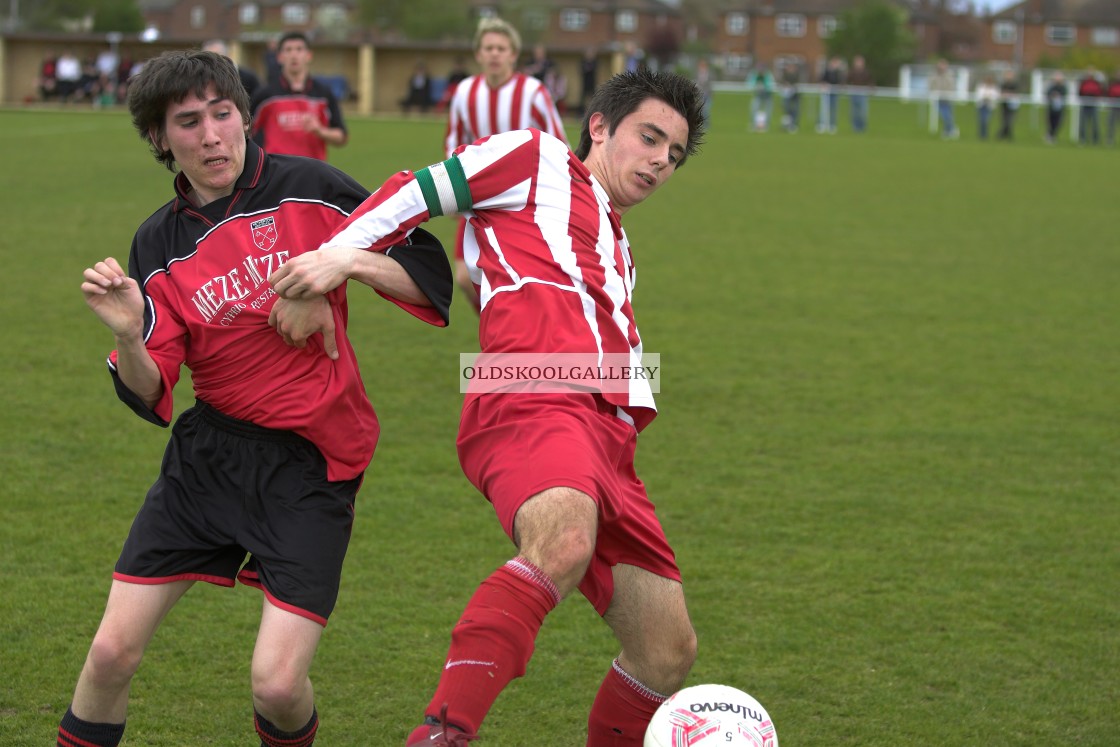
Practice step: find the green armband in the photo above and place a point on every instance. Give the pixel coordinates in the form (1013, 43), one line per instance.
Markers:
(445, 189)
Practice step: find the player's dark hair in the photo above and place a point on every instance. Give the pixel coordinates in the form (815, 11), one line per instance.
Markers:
(294, 35)
(170, 78)
(621, 96)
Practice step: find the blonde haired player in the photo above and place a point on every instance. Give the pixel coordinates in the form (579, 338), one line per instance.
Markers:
(498, 99)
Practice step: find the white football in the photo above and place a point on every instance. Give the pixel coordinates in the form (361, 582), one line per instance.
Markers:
(710, 715)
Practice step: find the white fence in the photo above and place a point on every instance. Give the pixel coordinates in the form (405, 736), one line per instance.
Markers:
(914, 87)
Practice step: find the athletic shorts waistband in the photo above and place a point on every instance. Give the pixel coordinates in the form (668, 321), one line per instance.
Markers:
(244, 428)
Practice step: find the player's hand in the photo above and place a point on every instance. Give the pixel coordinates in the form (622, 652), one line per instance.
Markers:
(311, 124)
(314, 273)
(115, 298)
(298, 320)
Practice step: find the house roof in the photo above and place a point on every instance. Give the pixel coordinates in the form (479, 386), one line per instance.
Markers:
(1081, 12)
(803, 7)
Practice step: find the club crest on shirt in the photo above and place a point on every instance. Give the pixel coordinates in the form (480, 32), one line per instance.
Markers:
(264, 233)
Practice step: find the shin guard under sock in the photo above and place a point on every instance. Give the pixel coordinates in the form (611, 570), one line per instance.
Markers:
(493, 641)
(622, 711)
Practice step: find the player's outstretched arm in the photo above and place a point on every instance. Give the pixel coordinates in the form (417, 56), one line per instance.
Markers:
(117, 301)
(319, 272)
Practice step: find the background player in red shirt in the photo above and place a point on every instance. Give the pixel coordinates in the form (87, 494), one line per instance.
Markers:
(267, 463)
(298, 116)
(547, 248)
(499, 99)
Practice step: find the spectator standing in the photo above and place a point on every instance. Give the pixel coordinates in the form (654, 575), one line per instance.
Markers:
(943, 88)
(273, 70)
(832, 78)
(761, 83)
(1008, 104)
(589, 76)
(704, 83)
(48, 78)
(633, 57)
(860, 83)
(1090, 90)
(259, 476)
(301, 115)
(419, 89)
(789, 83)
(987, 96)
(1113, 93)
(499, 99)
(540, 66)
(1056, 94)
(68, 73)
(249, 79)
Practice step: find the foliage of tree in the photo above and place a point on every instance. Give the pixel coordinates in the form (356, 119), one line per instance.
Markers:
(426, 20)
(1080, 58)
(877, 30)
(82, 15)
(117, 15)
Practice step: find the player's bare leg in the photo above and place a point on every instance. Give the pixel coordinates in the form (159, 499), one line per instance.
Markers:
(555, 531)
(282, 692)
(649, 617)
(132, 614)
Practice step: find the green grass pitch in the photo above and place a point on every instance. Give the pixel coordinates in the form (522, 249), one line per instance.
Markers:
(888, 451)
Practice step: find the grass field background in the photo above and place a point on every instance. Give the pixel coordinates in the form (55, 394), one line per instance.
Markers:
(888, 452)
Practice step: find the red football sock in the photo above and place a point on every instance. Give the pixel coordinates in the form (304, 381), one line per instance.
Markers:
(622, 711)
(493, 641)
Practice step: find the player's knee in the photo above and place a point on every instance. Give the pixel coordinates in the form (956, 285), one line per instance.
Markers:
(278, 692)
(112, 660)
(565, 556)
(668, 663)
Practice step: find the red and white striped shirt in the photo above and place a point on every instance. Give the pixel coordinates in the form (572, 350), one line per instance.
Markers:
(477, 110)
(545, 247)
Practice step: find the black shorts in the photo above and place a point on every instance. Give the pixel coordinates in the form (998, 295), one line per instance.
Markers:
(229, 489)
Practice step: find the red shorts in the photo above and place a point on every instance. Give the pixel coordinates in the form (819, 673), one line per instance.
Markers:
(513, 446)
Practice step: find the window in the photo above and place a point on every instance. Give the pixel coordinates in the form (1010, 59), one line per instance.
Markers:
(626, 21)
(826, 26)
(574, 19)
(198, 16)
(1061, 33)
(535, 18)
(1004, 32)
(736, 24)
(790, 24)
(331, 14)
(249, 14)
(295, 14)
(1103, 36)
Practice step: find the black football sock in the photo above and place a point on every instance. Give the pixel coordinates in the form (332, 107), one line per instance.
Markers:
(273, 736)
(73, 732)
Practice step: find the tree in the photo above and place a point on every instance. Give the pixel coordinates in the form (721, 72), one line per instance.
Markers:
(118, 15)
(420, 19)
(87, 15)
(877, 30)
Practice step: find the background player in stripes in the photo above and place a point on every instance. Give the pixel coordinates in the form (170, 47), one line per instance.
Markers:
(268, 461)
(546, 246)
(499, 99)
